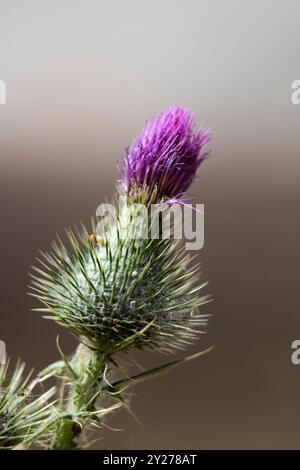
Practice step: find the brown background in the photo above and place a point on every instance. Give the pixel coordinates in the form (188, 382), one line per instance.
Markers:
(81, 78)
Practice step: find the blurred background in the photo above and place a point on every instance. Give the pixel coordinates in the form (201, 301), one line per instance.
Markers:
(82, 77)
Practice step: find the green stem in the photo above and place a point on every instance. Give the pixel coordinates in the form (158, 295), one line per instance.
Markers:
(88, 367)
(66, 434)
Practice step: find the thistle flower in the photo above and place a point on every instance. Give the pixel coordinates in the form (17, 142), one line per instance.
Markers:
(21, 416)
(166, 155)
(128, 292)
(120, 292)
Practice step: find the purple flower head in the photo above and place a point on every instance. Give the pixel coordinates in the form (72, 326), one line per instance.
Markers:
(166, 155)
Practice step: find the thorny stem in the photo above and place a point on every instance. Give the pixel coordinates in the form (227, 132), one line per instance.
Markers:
(87, 369)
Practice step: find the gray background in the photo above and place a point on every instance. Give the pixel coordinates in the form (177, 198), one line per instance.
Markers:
(82, 77)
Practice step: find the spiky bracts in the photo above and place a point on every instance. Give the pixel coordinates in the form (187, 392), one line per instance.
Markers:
(122, 292)
(22, 415)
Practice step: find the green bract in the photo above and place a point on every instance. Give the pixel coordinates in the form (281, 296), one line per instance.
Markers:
(124, 291)
(22, 415)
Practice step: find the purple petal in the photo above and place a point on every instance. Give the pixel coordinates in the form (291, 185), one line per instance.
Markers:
(166, 155)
